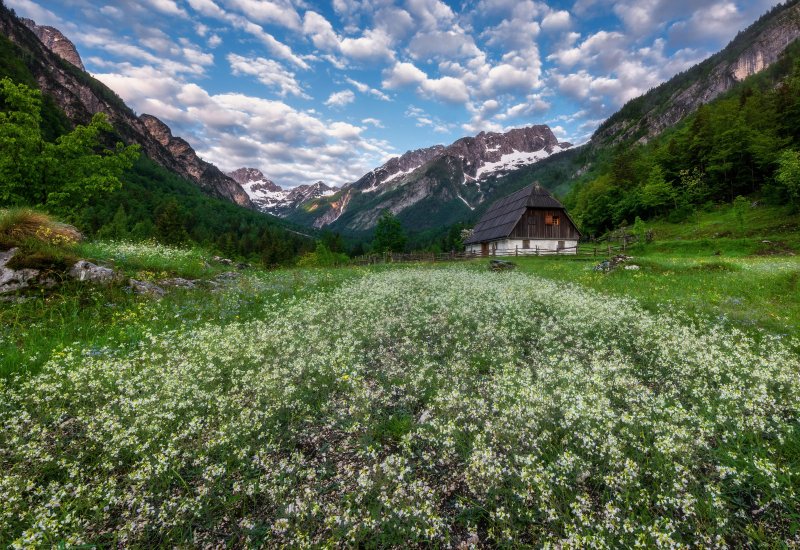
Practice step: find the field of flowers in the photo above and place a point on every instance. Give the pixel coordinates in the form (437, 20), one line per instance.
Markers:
(412, 406)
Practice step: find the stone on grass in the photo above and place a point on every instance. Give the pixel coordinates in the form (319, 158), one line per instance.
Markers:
(15, 279)
(87, 271)
(146, 289)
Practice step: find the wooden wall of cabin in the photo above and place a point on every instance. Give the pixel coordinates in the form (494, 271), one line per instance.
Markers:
(534, 225)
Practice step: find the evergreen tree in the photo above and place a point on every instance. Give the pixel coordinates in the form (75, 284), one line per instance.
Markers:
(389, 234)
(169, 224)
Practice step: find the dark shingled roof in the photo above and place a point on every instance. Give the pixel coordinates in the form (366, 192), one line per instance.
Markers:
(498, 222)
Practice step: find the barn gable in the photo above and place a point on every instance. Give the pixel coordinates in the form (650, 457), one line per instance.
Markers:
(503, 216)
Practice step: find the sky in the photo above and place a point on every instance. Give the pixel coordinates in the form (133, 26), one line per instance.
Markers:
(328, 90)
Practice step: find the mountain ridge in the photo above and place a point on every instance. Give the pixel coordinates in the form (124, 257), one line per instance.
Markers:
(80, 96)
(754, 49)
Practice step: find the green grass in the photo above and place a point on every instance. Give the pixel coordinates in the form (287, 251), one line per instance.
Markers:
(95, 317)
(750, 292)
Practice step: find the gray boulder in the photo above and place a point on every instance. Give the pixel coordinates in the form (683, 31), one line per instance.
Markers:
(146, 289)
(12, 280)
(178, 282)
(87, 271)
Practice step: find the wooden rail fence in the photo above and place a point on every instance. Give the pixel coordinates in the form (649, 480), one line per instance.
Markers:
(593, 250)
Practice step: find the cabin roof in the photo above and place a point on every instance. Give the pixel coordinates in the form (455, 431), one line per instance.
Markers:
(499, 221)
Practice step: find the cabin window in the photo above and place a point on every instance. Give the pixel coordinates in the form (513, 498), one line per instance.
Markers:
(548, 219)
(526, 243)
(556, 220)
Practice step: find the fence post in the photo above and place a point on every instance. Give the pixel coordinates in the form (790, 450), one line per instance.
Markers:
(516, 250)
(537, 249)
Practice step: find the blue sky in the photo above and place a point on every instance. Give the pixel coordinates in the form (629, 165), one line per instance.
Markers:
(328, 90)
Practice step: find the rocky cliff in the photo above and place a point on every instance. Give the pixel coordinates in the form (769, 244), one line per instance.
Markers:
(80, 96)
(56, 42)
(752, 51)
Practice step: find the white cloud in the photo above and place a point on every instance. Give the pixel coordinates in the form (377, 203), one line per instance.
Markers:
(340, 99)
(431, 14)
(169, 7)
(556, 21)
(366, 89)
(403, 74)
(269, 72)
(279, 49)
(446, 44)
(267, 11)
(447, 89)
(373, 122)
(374, 44)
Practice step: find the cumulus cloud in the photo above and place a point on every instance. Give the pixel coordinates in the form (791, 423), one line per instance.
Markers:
(209, 9)
(269, 72)
(366, 89)
(340, 99)
(556, 21)
(373, 122)
(268, 11)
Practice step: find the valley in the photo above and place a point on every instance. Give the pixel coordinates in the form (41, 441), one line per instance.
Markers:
(234, 313)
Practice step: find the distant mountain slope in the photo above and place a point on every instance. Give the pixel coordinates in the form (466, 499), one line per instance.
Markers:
(435, 186)
(272, 198)
(752, 51)
(80, 96)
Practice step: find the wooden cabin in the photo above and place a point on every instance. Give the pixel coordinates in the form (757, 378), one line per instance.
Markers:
(529, 221)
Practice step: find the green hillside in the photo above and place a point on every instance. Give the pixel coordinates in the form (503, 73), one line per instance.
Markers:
(155, 203)
(742, 144)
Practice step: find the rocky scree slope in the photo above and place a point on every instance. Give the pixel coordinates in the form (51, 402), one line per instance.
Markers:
(752, 51)
(80, 96)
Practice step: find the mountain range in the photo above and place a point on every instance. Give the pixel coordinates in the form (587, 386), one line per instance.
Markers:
(452, 174)
(429, 188)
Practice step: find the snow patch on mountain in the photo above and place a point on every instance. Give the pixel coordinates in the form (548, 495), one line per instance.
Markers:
(514, 160)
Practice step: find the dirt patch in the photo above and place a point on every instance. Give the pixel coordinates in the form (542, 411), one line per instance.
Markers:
(774, 248)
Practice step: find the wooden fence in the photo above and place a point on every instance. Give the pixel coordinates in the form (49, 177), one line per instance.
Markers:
(589, 249)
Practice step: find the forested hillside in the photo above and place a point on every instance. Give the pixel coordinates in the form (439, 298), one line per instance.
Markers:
(745, 143)
(152, 202)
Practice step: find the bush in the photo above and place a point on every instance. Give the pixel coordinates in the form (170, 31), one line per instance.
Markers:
(323, 257)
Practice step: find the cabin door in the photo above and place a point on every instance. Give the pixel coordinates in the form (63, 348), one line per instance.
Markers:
(484, 249)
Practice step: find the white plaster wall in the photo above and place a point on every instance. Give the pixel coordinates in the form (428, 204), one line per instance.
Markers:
(512, 246)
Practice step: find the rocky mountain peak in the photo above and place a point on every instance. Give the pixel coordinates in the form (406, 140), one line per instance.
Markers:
(56, 42)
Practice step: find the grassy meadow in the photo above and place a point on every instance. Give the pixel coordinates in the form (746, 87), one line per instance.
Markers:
(408, 404)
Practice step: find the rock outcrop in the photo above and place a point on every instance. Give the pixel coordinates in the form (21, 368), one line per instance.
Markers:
(88, 272)
(12, 280)
(80, 96)
(56, 42)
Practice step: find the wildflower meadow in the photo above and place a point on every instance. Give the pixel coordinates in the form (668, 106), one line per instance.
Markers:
(413, 406)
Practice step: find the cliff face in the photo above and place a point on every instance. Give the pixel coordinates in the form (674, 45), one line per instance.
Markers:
(750, 53)
(80, 96)
(56, 42)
